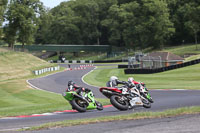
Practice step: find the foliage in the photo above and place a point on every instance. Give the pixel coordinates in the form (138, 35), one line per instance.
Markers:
(3, 4)
(135, 24)
(22, 17)
(185, 16)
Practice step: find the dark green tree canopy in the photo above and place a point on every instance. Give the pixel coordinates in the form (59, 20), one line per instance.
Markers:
(22, 17)
(123, 23)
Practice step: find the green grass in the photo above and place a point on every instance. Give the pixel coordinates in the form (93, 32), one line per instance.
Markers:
(194, 57)
(184, 49)
(183, 78)
(132, 116)
(16, 96)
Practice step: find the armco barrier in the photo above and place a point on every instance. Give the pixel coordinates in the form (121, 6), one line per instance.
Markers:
(44, 70)
(157, 70)
(127, 66)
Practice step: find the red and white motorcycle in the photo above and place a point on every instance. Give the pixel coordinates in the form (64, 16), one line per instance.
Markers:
(125, 97)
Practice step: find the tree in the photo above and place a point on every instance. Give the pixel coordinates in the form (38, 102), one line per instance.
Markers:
(114, 23)
(142, 24)
(181, 13)
(43, 31)
(23, 19)
(63, 27)
(191, 13)
(3, 4)
(155, 20)
(87, 11)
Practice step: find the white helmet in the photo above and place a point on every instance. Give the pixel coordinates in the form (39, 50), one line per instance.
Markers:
(130, 79)
(112, 78)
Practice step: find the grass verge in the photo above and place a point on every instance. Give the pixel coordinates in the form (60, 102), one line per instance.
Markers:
(184, 49)
(16, 96)
(132, 116)
(182, 78)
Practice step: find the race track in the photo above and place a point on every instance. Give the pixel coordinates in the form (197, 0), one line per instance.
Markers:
(57, 83)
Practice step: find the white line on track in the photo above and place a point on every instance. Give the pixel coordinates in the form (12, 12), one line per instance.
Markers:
(86, 75)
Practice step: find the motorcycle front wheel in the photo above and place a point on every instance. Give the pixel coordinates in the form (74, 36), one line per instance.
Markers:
(99, 105)
(78, 105)
(119, 103)
(146, 103)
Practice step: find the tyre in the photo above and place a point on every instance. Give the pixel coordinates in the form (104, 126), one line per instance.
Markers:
(78, 105)
(119, 103)
(99, 105)
(151, 100)
(146, 103)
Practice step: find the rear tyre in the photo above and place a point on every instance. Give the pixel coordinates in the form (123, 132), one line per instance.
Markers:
(78, 105)
(119, 103)
(99, 105)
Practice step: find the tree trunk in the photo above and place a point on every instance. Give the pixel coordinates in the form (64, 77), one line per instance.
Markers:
(195, 36)
(10, 45)
(98, 41)
(22, 46)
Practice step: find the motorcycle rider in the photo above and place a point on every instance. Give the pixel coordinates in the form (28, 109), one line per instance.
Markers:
(137, 84)
(73, 87)
(114, 81)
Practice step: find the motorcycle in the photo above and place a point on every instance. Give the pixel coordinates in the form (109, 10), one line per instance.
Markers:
(84, 101)
(127, 97)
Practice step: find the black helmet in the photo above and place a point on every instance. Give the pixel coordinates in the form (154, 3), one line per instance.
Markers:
(71, 83)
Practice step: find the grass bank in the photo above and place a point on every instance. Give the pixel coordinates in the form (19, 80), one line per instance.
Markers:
(16, 96)
(183, 78)
(132, 116)
(184, 49)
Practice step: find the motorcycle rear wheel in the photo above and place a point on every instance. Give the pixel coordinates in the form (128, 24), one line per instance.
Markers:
(77, 105)
(99, 105)
(118, 103)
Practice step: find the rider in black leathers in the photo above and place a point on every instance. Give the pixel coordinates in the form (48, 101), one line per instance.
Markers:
(73, 87)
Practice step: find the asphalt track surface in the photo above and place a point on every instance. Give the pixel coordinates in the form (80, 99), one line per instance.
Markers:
(57, 83)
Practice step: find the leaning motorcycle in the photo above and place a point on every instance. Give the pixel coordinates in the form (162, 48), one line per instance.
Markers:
(127, 97)
(84, 101)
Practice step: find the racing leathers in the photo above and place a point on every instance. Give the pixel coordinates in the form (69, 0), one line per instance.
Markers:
(114, 83)
(73, 87)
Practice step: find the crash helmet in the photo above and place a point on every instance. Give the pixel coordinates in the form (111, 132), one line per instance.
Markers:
(130, 79)
(113, 78)
(70, 85)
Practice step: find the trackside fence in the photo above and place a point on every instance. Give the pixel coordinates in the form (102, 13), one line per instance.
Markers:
(162, 69)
